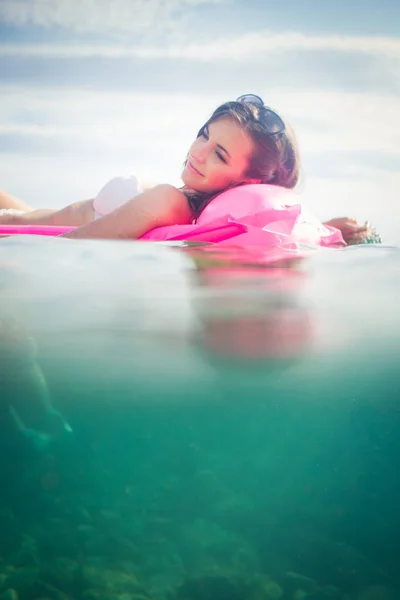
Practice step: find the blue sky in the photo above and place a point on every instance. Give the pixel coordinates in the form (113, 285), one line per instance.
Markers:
(95, 88)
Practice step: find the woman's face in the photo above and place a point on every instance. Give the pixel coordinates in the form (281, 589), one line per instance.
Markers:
(218, 158)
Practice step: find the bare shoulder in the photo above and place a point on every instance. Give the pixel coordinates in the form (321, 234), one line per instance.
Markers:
(169, 203)
(167, 189)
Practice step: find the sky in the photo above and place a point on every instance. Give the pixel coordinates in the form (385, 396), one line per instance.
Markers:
(91, 89)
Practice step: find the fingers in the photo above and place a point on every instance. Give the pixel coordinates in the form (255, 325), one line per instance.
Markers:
(347, 225)
(354, 232)
(354, 225)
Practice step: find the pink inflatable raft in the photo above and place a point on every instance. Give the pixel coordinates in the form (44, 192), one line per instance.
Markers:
(258, 215)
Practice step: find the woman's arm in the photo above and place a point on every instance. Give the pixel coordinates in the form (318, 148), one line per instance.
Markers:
(159, 206)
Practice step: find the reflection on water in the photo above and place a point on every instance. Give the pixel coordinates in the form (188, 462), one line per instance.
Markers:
(182, 424)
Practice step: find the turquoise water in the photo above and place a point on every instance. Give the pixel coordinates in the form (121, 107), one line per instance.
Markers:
(180, 425)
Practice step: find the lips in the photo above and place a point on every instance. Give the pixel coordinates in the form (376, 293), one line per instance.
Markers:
(193, 169)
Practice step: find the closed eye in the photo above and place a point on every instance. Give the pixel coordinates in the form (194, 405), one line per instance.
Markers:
(220, 156)
(206, 136)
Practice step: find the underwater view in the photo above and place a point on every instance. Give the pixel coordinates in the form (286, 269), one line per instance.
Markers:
(184, 423)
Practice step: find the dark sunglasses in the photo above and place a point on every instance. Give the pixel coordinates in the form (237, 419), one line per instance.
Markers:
(270, 120)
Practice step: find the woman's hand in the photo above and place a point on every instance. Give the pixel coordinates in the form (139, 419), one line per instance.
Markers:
(352, 231)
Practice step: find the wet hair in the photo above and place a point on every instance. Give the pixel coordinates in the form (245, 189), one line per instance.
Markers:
(275, 159)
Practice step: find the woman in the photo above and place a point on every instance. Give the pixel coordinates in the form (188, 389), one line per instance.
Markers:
(243, 142)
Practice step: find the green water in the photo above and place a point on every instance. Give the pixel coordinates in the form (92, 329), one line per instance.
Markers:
(195, 471)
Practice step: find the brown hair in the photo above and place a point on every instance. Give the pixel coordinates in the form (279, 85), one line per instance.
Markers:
(275, 159)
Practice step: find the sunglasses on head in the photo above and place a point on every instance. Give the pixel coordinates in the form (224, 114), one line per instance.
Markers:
(270, 120)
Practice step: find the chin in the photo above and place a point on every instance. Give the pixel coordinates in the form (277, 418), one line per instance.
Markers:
(190, 180)
(195, 183)
(184, 176)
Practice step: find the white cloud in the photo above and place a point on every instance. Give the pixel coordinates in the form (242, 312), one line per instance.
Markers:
(119, 120)
(344, 121)
(340, 121)
(95, 15)
(254, 46)
(31, 129)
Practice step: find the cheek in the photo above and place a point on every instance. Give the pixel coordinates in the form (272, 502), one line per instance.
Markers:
(220, 174)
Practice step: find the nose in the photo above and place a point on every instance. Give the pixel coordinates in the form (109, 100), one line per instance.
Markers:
(199, 152)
